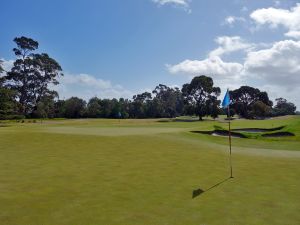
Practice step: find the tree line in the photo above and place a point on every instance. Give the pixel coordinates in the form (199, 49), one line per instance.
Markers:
(25, 93)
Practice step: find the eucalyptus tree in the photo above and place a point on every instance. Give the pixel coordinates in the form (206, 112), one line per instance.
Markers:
(243, 100)
(74, 107)
(32, 74)
(283, 107)
(1, 69)
(139, 107)
(199, 94)
(94, 107)
(169, 100)
(8, 105)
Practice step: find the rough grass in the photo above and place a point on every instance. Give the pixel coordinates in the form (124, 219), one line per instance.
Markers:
(50, 174)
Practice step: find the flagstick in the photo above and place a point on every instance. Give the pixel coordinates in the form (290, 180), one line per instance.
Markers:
(229, 136)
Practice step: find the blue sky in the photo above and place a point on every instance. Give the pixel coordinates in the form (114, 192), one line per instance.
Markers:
(117, 48)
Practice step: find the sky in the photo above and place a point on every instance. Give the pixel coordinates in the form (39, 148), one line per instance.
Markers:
(118, 48)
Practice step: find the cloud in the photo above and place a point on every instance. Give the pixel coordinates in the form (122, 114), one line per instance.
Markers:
(229, 44)
(293, 34)
(87, 86)
(225, 74)
(82, 85)
(275, 68)
(179, 3)
(277, 91)
(279, 65)
(275, 17)
(230, 20)
(213, 66)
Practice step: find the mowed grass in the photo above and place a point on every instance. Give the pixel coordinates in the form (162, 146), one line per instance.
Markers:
(144, 172)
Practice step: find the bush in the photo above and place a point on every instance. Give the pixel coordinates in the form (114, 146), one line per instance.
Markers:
(11, 117)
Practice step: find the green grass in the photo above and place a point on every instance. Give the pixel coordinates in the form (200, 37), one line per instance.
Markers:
(144, 172)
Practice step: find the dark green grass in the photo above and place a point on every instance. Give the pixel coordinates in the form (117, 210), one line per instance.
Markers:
(147, 178)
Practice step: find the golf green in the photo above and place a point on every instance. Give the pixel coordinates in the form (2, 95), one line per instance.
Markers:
(97, 171)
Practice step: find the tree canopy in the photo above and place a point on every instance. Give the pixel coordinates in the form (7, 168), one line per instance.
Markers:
(200, 94)
(283, 107)
(244, 98)
(31, 75)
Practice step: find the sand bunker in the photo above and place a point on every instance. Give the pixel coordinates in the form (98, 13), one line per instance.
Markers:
(235, 134)
(279, 134)
(221, 133)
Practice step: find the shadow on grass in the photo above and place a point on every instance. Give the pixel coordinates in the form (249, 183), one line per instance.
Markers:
(199, 191)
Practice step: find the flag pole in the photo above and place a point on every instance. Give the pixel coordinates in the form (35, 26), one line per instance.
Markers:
(229, 137)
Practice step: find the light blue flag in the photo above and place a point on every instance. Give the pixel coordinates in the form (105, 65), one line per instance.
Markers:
(226, 100)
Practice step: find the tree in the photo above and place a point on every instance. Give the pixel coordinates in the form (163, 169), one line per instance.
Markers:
(1, 69)
(139, 108)
(115, 109)
(45, 108)
(19, 77)
(8, 105)
(74, 108)
(59, 109)
(124, 107)
(260, 110)
(199, 93)
(106, 108)
(32, 74)
(244, 97)
(94, 107)
(169, 100)
(283, 107)
(213, 107)
(47, 72)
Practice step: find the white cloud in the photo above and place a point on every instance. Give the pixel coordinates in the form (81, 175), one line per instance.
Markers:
(229, 44)
(230, 20)
(87, 86)
(181, 3)
(213, 66)
(293, 34)
(82, 85)
(278, 65)
(277, 91)
(225, 74)
(274, 17)
(275, 68)
(86, 80)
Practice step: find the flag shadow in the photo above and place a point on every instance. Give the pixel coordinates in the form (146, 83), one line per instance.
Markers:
(200, 191)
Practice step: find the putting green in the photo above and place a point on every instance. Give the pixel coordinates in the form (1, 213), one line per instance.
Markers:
(112, 131)
(51, 174)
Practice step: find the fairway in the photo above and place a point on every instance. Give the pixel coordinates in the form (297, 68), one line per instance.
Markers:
(106, 171)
